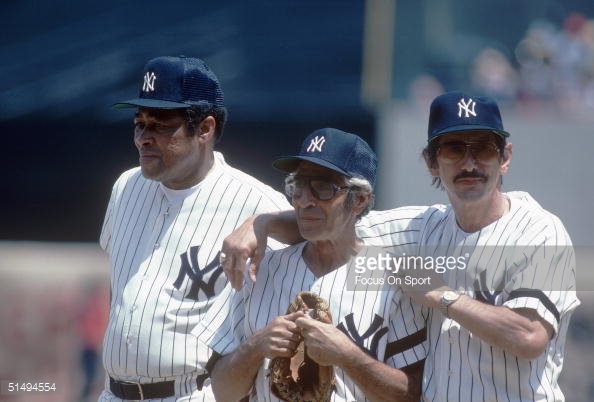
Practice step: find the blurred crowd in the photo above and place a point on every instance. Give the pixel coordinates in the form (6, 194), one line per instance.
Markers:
(550, 69)
(54, 334)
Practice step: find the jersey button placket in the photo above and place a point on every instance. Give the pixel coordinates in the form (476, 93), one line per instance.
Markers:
(165, 216)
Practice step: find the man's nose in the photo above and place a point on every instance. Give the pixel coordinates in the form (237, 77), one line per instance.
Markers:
(142, 136)
(468, 161)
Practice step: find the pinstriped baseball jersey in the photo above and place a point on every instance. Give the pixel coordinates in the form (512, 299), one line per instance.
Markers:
(460, 367)
(524, 259)
(394, 227)
(163, 248)
(386, 324)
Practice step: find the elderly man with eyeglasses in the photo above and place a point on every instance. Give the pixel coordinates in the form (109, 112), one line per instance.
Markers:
(499, 319)
(376, 340)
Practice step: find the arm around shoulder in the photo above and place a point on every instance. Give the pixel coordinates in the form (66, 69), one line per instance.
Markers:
(249, 241)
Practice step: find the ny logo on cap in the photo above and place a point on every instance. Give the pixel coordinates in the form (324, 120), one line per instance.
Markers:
(149, 82)
(316, 144)
(467, 107)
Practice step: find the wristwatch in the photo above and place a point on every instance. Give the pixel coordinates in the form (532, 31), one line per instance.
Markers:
(448, 298)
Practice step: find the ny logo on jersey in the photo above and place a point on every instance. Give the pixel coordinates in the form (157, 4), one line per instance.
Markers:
(149, 82)
(191, 269)
(375, 332)
(466, 107)
(482, 292)
(316, 144)
(487, 297)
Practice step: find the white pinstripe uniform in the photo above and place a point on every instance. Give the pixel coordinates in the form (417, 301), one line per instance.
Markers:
(163, 247)
(536, 251)
(387, 324)
(523, 260)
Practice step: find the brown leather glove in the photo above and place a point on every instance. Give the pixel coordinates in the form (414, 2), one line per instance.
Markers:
(314, 383)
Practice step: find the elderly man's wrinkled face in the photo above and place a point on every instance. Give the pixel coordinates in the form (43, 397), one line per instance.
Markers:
(318, 195)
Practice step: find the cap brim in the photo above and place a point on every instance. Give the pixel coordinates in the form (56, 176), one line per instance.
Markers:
(289, 164)
(468, 127)
(150, 103)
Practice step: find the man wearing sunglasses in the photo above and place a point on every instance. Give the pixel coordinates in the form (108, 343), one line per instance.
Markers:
(376, 339)
(497, 326)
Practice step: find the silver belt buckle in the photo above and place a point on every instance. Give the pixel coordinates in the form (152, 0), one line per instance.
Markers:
(139, 385)
(140, 391)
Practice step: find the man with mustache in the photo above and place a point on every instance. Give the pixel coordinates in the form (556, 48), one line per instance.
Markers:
(500, 313)
(498, 324)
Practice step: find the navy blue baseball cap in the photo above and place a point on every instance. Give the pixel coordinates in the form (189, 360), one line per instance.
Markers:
(345, 153)
(176, 83)
(457, 111)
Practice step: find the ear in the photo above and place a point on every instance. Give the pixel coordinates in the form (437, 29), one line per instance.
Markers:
(506, 159)
(205, 130)
(361, 202)
(433, 167)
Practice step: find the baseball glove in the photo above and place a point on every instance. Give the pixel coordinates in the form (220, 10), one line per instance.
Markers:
(314, 383)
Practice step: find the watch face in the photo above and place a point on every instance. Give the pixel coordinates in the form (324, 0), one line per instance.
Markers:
(450, 296)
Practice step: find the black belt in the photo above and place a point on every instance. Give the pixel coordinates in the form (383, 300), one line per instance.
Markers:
(138, 392)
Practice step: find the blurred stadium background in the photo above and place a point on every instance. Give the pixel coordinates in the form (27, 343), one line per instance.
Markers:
(286, 67)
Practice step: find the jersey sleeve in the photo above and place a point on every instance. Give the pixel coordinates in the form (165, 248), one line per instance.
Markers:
(222, 327)
(108, 220)
(106, 229)
(543, 275)
(407, 336)
(545, 282)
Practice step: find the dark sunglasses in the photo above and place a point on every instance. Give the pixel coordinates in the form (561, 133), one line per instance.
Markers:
(454, 151)
(320, 188)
